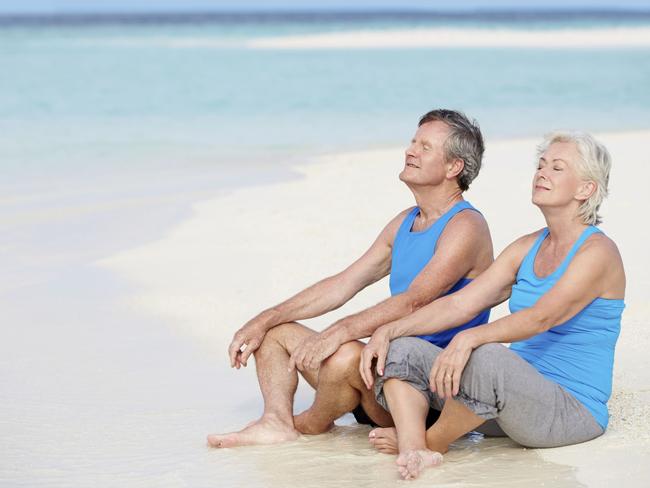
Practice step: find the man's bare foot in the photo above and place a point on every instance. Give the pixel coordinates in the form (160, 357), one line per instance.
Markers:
(410, 464)
(307, 423)
(384, 439)
(267, 430)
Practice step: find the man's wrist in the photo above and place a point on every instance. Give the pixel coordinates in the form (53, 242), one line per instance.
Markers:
(269, 319)
(338, 333)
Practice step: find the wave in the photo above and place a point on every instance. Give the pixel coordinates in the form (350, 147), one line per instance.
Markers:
(628, 37)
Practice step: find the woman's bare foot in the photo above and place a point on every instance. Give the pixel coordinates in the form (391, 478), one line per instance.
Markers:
(384, 439)
(410, 464)
(306, 423)
(267, 430)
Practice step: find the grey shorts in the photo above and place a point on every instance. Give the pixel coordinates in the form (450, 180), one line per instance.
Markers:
(500, 387)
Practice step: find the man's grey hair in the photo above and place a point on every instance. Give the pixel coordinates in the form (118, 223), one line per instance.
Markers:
(594, 164)
(464, 142)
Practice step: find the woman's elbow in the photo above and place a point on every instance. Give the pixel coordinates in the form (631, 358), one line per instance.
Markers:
(542, 319)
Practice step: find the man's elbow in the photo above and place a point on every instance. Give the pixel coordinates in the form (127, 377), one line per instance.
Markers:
(416, 301)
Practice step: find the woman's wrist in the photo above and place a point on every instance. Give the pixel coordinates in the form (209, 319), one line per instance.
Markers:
(472, 337)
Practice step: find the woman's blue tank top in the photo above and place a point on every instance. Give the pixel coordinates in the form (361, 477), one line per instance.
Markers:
(413, 250)
(578, 354)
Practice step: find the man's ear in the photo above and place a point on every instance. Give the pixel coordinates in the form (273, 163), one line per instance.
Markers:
(455, 167)
(585, 190)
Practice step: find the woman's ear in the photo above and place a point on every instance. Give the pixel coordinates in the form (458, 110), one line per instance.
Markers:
(585, 190)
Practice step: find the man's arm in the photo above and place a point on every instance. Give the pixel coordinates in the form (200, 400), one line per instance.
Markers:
(457, 252)
(492, 287)
(320, 298)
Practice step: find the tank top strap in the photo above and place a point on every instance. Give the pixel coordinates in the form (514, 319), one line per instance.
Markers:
(526, 266)
(576, 246)
(459, 207)
(407, 223)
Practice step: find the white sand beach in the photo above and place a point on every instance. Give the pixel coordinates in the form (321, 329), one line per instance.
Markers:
(573, 38)
(241, 252)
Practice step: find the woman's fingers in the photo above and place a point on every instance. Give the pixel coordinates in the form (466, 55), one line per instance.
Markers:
(366, 364)
(456, 381)
(381, 360)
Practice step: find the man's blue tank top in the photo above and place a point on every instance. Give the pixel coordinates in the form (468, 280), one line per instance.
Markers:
(411, 253)
(578, 354)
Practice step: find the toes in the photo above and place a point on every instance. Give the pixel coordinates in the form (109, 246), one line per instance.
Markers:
(215, 441)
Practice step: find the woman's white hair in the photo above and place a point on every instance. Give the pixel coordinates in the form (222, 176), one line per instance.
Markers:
(594, 165)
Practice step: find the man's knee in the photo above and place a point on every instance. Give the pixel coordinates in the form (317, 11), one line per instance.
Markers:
(343, 362)
(278, 334)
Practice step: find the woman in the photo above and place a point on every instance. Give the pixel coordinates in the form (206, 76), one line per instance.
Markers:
(566, 286)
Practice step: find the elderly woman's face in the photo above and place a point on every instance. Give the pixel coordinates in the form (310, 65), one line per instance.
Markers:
(556, 182)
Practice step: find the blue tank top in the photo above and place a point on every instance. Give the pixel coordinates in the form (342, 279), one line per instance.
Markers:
(578, 354)
(412, 251)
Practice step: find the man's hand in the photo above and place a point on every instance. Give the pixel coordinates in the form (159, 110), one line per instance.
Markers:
(377, 348)
(245, 342)
(313, 351)
(444, 379)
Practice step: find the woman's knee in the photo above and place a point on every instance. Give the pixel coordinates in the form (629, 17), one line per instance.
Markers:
(410, 350)
(485, 360)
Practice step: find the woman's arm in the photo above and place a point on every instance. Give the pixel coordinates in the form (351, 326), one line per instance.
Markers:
(487, 290)
(490, 288)
(594, 272)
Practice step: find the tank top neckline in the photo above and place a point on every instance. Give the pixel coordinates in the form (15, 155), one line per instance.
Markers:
(565, 262)
(416, 211)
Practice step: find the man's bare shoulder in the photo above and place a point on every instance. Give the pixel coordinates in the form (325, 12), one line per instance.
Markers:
(468, 222)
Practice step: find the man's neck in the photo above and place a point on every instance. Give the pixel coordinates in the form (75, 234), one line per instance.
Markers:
(435, 201)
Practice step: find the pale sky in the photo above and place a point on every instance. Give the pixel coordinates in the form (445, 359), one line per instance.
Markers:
(61, 6)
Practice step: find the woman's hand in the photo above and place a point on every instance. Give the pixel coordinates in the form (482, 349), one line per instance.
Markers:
(444, 379)
(377, 348)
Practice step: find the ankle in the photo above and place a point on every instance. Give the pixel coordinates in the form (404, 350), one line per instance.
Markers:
(278, 420)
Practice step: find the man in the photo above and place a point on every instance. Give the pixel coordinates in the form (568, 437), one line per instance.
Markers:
(429, 250)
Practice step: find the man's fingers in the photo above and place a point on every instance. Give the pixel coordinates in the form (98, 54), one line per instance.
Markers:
(292, 362)
(248, 350)
(233, 350)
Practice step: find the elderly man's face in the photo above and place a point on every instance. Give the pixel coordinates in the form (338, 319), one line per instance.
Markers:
(424, 162)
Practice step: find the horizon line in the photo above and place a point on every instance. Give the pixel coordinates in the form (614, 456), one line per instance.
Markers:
(282, 11)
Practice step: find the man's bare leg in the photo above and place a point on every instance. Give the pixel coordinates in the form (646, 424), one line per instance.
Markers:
(278, 386)
(340, 390)
(409, 409)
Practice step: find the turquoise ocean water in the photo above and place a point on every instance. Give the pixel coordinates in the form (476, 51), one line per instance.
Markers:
(110, 125)
(88, 94)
